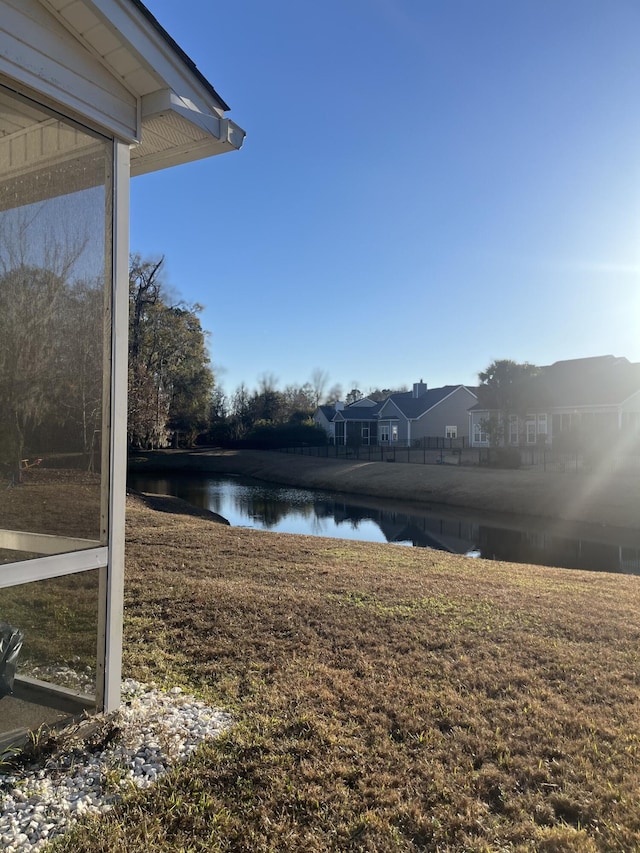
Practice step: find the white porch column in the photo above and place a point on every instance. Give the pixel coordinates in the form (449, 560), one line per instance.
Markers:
(118, 436)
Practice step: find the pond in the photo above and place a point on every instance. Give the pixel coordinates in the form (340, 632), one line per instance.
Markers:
(245, 502)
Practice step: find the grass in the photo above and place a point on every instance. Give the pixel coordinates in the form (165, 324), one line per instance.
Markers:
(386, 699)
(58, 617)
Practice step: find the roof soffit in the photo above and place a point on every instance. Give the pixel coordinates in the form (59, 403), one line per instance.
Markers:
(180, 116)
(133, 49)
(174, 130)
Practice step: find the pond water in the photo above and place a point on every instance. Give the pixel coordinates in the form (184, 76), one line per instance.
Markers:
(245, 502)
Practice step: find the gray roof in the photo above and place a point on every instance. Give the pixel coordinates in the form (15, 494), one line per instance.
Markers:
(597, 381)
(177, 49)
(360, 413)
(414, 407)
(601, 380)
(328, 411)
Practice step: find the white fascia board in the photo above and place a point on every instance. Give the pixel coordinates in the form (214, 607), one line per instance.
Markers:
(143, 39)
(217, 126)
(213, 134)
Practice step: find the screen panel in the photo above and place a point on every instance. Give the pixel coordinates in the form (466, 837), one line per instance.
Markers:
(51, 673)
(55, 286)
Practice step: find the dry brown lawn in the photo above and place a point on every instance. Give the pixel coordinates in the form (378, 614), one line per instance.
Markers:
(386, 699)
(54, 501)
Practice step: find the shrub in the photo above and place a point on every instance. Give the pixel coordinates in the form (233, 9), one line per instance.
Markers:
(273, 436)
(504, 457)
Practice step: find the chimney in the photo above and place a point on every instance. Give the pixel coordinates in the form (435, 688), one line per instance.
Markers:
(339, 405)
(419, 388)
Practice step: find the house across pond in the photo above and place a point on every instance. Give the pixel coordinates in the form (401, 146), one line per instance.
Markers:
(402, 419)
(567, 405)
(573, 405)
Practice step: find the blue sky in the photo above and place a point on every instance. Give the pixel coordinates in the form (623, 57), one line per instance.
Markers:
(425, 186)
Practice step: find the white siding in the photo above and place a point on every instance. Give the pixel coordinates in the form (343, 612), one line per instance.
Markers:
(37, 50)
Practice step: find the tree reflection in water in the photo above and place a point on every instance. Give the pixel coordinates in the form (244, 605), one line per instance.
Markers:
(257, 504)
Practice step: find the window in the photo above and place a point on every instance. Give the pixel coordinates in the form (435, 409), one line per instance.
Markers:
(479, 435)
(531, 432)
(394, 432)
(384, 432)
(365, 434)
(542, 424)
(513, 429)
(451, 432)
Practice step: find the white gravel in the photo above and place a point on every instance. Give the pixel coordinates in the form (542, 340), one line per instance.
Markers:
(156, 730)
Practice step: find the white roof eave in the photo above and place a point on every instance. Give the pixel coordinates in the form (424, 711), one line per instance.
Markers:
(175, 130)
(182, 118)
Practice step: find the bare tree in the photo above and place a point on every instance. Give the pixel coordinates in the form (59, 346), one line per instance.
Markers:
(319, 381)
(334, 393)
(35, 279)
(170, 377)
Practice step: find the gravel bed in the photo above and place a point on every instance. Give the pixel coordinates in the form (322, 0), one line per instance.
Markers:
(151, 731)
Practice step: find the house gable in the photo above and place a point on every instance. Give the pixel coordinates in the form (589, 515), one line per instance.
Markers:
(390, 409)
(413, 408)
(459, 389)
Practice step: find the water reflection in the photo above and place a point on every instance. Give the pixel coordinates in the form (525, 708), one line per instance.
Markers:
(250, 503)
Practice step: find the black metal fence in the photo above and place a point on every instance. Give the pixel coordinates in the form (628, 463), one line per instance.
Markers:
(453, 452)
(424, 455)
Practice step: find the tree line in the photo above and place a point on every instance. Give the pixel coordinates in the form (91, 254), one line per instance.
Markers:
(52, 350)
(269, 416)
(173, 396)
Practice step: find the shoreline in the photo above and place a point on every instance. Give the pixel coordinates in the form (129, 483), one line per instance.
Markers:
(607, 498)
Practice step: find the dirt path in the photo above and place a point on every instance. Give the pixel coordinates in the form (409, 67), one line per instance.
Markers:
(609, 498)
